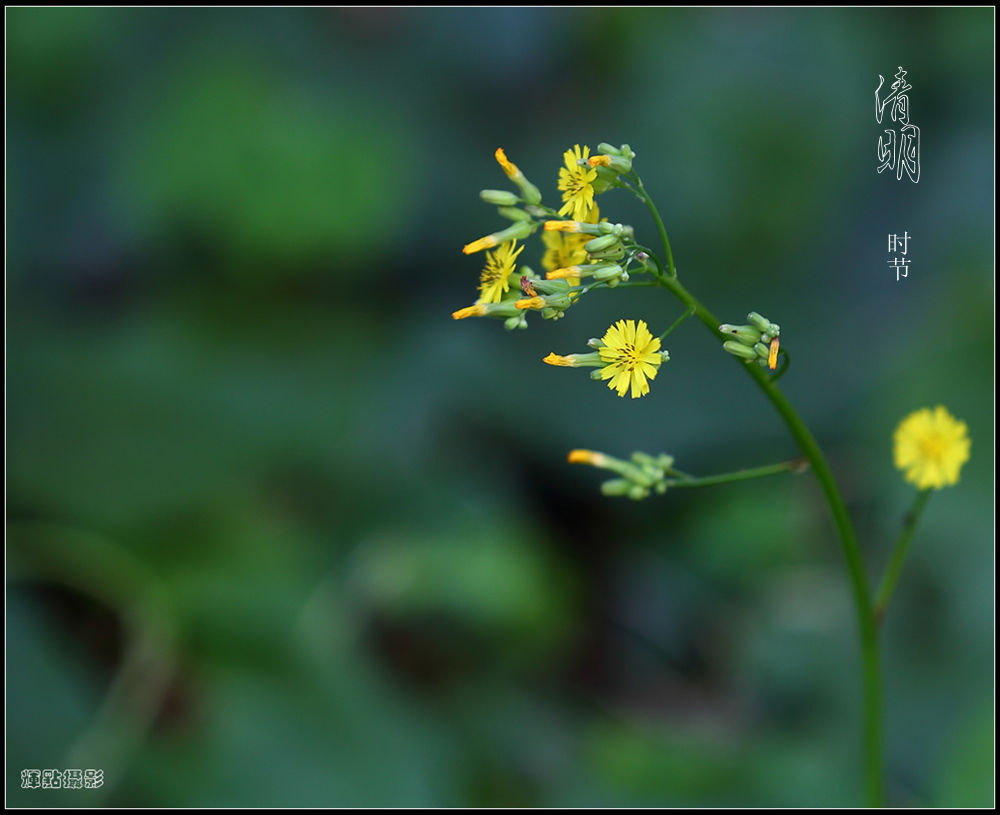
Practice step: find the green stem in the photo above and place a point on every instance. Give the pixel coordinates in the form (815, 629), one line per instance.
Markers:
(677, 322)
(798, 465)
(910, 520)
(659, 223)
(870, 670)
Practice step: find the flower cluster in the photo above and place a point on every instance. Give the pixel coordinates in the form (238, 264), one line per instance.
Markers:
(756, 342)
(582, 252)
(639, 476)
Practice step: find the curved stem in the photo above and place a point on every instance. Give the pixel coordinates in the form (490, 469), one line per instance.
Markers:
(798, 465)
(870, 670)
(910, 520)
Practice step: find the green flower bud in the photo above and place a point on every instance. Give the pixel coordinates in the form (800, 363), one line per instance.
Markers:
(601, 243)
(746, 334)
(616, 252)
(606, 179)
(551, 286)
(609, 149)
(637, 493)
(515, 322)
(513, 214)
(609, 273)
(502, 198)
(761, 349)
(616, 487)
(739, 349)
(761, 323)
(528, 190)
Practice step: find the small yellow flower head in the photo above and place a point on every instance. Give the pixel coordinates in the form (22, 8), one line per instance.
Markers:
(558, 359)
(530, 302)
(573, 360)
(587, 457)
(930, 448)
(477, 310)
(509, 167)
(478, 245)
(632, 356)
(511, 170)
(495, 278)
(576, 180)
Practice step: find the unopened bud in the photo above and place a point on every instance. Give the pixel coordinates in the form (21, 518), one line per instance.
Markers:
(616, 487)
(746, 334)
(601, 243)
(501, 198)
(513, 214)
(739, 349)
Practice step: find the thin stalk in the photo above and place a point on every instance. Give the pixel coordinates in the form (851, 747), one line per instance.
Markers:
(910, 520)
(677, 322)
(798, 465)
(659, 223)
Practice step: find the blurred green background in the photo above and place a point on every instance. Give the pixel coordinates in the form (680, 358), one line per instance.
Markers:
(281, 532)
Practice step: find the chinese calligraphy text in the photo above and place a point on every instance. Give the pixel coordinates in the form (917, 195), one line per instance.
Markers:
(898, 146)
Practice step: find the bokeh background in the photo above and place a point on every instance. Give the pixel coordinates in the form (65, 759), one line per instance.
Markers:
(281, 532)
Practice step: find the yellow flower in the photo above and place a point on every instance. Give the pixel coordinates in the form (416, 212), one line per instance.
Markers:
(566, 250)
(576, 182)
(931, 447)
(494, 280)
(632, 355)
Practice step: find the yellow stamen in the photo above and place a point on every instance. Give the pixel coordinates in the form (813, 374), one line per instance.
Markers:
(600, 161)
(530, 302)
(483, 243)
(586, 457)
(566, 271)
(477, 310)
(508, 166)
(562, 226)
(772, 354)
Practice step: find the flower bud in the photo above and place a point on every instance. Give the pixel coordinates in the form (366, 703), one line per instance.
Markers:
(618, 164)
(528, 190)
(501, 198)
(505, 308)
(616, 487)
(601, 243)
(513, 214)
(609, 273)
(740, 350)
(575, 227)
(746, 334)
(516, 231)
(764, 325)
